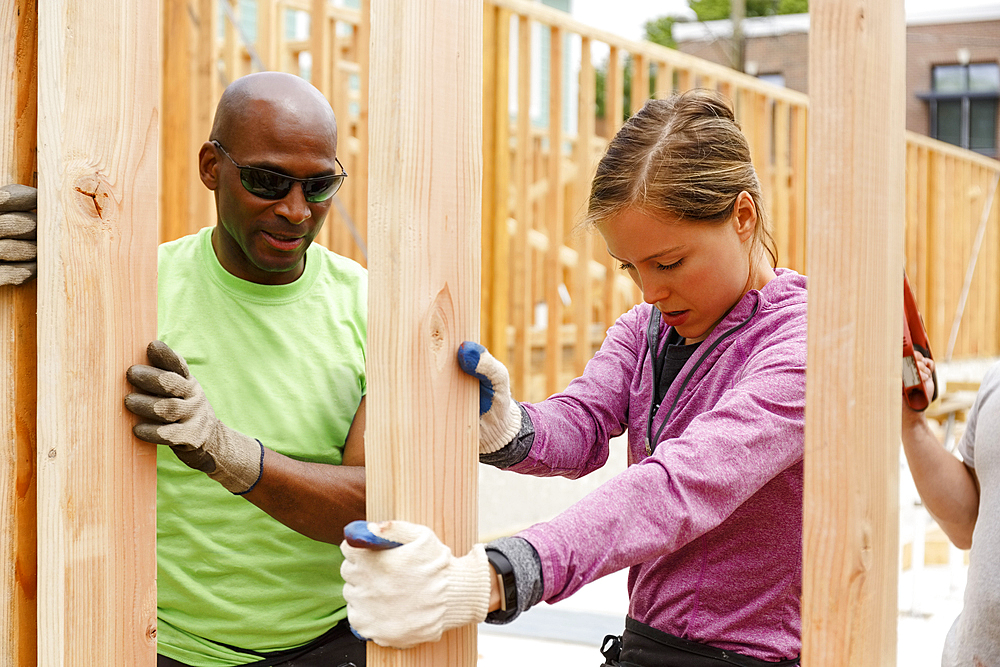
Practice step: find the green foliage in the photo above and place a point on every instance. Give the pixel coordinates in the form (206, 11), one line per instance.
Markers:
(660, 31)
(713, 10)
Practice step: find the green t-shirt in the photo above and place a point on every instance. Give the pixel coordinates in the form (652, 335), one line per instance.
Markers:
(284, 364)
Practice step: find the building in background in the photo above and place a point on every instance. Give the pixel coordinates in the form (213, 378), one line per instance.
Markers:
(952, 66)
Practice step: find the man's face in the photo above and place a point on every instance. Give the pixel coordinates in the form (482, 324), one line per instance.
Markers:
(262, 240)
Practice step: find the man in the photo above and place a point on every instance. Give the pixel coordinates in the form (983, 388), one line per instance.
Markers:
(258, 387)
(961, 496)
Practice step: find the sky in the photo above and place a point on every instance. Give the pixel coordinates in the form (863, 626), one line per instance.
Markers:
(626, 17)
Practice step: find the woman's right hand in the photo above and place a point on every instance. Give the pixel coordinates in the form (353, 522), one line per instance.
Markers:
(499, 414)
(925, 366)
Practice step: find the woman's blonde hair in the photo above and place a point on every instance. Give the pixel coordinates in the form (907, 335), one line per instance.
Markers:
(684, 157)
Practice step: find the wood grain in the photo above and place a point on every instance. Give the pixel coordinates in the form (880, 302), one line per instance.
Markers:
(425, 208)
(18, 592)
(97, 155)
(855, 256)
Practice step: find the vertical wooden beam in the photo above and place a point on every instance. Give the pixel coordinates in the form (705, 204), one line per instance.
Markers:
(426, 199)
(640, 82)
(206, 91)
(97, 139)
(856, 186)
(664, 80)
(321, 47)
(495, 283)
(781, 190)
(176, 185)
(613, 112)
(520, 267)
(583, 300)
(269, 34)
(360, 186)
(18, 46)
(555, 204)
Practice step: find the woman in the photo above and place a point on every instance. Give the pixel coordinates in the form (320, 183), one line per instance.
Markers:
(707, 376)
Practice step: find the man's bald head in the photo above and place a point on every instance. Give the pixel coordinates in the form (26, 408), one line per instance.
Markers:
(276, 96)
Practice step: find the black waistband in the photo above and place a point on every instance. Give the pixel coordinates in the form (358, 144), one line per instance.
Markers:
(276, 657)
(645, 645)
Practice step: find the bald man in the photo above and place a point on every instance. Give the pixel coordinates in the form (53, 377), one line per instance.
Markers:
(257, 384)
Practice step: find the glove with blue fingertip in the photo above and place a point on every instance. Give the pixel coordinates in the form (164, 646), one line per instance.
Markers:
(404, 587)
(499, 414)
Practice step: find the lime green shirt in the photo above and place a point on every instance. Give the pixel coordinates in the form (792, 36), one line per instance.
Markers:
(284, 364)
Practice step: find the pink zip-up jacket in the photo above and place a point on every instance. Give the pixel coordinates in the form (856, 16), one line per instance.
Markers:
(711, 523)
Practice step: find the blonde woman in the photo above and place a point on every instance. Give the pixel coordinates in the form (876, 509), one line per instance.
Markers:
(708, 378)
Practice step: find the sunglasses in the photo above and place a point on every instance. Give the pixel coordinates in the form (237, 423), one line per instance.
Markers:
(272, 185)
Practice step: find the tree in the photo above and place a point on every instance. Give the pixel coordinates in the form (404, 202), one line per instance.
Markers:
(713, 10)
(660, 31)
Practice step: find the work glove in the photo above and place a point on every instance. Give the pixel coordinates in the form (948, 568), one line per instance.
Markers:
(18, 229)
(499, 414)
(180, 416)
(411, 594)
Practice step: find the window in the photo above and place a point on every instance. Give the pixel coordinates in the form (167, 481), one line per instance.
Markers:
(775, 79)
(963, 105)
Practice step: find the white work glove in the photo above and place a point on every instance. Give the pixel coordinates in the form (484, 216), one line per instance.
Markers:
(407, 595)
(499, 414)
(18, 229)
(182, 418)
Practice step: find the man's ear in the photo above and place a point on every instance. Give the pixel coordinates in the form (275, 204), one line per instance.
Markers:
(208, 165)
(745, 215)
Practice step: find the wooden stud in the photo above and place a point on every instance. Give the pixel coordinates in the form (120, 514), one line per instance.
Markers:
(97, 203)
(18, 565)
(583, 242)
(206, 91)
(664, 80)
(426, 205)
(175, 145)
(269, 32)
(613, 106)
(554, 215)
(362, 41)
(856, 164)
(780, 189)
(640, 82)
(496, 290)
(521, 305)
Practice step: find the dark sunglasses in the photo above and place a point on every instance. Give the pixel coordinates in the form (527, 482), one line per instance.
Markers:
(272, 185)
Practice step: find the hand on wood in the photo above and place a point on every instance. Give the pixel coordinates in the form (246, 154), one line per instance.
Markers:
(925, 367)
(499, 414)
(180, 416)
(18, 230)
(412, 593)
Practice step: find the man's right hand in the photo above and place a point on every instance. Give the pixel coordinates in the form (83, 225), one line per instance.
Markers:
(18, 229)
(499, 414)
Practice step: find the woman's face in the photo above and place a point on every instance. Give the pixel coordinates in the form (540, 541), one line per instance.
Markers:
(694, 273)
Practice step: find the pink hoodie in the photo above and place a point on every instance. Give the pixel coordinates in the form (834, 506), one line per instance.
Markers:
(711, 522)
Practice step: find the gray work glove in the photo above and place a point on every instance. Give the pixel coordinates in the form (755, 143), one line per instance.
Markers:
(181, 417)
(18, 229)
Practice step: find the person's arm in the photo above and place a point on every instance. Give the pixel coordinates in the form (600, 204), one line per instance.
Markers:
(315, 499)
(948, 487)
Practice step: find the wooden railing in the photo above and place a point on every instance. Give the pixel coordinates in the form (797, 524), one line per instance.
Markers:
(550, 292)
